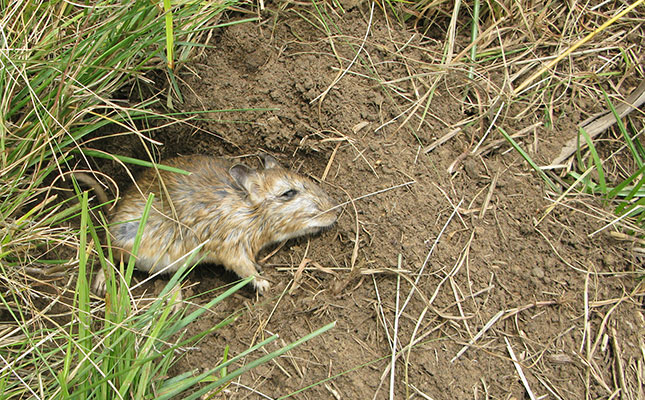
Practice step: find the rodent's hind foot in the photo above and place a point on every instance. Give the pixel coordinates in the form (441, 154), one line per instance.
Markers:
(260, 285)
(98, 286)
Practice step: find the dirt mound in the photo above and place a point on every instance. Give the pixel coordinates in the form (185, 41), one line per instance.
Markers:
(479, 262)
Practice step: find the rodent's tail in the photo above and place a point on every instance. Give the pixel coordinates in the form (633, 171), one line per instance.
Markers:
(90, 181)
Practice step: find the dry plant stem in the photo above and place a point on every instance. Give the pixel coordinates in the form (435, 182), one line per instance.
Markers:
(592, 371)
(518, 367)
(499, 142)
(162, 271)
(458, 300)
(381, 312)
(333, 391)
(450, 40)
(272, 253)
(413, 107)
(610, 224)
(549, 388)
(395, 333)
(252, 390)
(563, 196)
(13, 371)
(353, 145)
(298, 274)
(514, 311)
(442, 140)
(442, 313)
(263, 324)
(330, 162)
(124, 166)
(589, 350)
(31, 321)
(425, 262)
(294, 362)
(407, 357)
(277, 364)
(492, 124)
(559, 256)
(455, 268)
(603, 216)
(585, 342)
(640, 369)
(407, 349)
(479, 334)
(620, 371)
(598, 124)
(489, 195)
(453, 166)
(420, 393)
(602, 327)
(416, 105)
(301, 266)
(356, 227)
(352, 200)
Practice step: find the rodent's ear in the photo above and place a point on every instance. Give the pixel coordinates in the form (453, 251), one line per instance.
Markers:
(241, 175)
(269, 161)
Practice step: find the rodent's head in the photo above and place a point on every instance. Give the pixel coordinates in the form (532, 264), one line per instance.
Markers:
(290, 204)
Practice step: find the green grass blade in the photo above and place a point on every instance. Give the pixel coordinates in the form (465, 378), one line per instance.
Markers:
(170, 36)
(621, 127)
(602, 184)
(133, 161)
(528, 159)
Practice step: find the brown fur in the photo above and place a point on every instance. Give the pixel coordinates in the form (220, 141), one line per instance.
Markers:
(234, 210)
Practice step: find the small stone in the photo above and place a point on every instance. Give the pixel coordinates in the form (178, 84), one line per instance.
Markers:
(471, 168)
(538, 272)
(526, 229)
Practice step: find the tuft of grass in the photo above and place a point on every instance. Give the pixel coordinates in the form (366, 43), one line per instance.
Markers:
(627, 193)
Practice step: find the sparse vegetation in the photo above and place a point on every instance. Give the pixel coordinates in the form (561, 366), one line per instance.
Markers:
(593, 57)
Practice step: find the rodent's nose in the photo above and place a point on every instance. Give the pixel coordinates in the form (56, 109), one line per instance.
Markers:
(329, 206)
(334, 207)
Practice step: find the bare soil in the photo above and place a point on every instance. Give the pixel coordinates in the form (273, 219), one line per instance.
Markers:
(479, 242)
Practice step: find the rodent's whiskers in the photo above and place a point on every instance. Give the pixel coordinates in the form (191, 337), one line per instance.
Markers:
(363, 197)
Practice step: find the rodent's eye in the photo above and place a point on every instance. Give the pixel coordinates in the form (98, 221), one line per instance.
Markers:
(289, 194)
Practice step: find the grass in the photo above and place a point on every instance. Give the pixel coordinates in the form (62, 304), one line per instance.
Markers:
(62, 65)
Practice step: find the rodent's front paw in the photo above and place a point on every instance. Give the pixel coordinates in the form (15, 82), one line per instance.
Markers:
(261, 285)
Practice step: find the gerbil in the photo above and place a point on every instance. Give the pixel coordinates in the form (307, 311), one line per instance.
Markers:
(233, 209)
